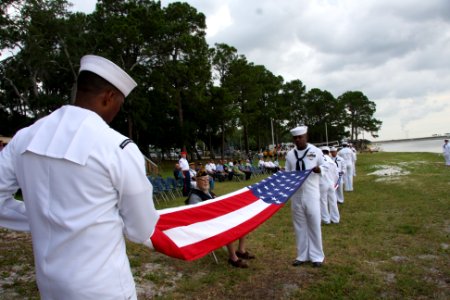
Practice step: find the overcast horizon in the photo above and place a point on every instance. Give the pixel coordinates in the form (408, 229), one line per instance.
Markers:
(396, 53)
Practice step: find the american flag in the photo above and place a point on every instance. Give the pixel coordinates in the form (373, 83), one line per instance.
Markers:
(338, 182)
(192, 231)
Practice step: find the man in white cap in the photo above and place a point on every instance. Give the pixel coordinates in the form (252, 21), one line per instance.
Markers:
(340, 163)
(305, 202)
(84, 186)
(328, 202)
(347, 154)
(446, 152)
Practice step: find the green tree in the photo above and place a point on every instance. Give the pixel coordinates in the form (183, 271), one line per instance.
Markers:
(269, 114)
(184, 61)
(34, 79)
(222, 57)
(126, 32)
(323, 116)
(293, 99)
(245, 90)
(359, 111)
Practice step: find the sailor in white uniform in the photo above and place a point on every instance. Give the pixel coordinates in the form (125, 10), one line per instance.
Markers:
(306, 201)
(355, 157)
(328, 202)
(84, 186)
(340, 163)
(446, 152)
(347, 154)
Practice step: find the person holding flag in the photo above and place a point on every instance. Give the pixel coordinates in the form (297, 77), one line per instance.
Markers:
(84, 187)
(305, 202)
(328, 202)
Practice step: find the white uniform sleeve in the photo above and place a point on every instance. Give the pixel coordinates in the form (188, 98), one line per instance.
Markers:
(136, 205)
(322, 164)
(13, 213)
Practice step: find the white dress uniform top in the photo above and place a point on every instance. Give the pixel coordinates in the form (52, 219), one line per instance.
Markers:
(348, 155)
(78, 203)
(184, 164)
(305, 205)
(328, 202)
(340, 163)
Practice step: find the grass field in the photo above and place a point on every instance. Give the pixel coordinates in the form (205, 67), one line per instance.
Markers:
(392, 243)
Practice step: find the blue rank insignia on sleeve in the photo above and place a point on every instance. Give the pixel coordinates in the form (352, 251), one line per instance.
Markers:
(125, 143)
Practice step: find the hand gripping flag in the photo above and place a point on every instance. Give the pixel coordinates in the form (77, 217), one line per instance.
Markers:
(192, 231)
(338, 182)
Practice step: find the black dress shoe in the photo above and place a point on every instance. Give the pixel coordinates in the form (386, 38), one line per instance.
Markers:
(238, 263)
(245, 255)
(297, 263)
(316, 264)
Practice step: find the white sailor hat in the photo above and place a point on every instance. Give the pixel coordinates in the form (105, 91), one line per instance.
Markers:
(332, 148)
(299, 130)
(326, 148)
(109, 71)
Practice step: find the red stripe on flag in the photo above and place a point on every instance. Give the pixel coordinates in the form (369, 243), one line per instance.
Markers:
(205, 212)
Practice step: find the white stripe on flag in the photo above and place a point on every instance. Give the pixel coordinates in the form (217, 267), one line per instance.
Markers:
(183, 207)
(186, 235)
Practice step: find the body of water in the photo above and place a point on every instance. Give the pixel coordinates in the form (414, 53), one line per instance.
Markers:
(432, 144)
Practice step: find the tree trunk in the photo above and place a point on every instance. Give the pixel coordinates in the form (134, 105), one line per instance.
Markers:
(222, 147)
(245, 139)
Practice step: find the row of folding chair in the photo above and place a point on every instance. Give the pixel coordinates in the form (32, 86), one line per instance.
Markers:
(258, 171)
(165, 189)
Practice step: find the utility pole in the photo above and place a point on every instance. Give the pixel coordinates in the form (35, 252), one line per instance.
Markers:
(271, 127)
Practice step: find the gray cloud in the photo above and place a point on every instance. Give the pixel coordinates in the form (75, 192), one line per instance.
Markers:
(395, 52)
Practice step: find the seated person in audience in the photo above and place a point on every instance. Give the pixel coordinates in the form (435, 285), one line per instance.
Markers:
(228, 169)
(261, 164)
(177, 172)
(269, 165)
(220, 173)
(210, 169)
(201, 193)
(277, 165)
(236, 170)
(192, 173)
(246, 168)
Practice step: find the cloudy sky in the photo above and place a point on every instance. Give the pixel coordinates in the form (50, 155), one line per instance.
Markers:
(397, 52)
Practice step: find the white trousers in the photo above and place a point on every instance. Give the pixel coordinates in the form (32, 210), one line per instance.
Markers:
(306, 219)
(340, 190)
(328, 204)
(447, 159)
(348, 178)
